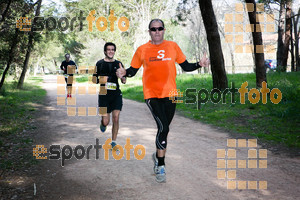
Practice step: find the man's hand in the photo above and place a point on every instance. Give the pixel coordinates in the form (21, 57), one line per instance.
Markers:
(123, 80)
(204, 61)
(121, 71)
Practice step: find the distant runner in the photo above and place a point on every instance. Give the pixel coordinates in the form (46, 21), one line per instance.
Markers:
(112, 100)
(158, 58)
(68, 74)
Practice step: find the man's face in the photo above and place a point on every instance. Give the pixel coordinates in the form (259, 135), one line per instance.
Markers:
(110, 52)
(157, 32)
(67, 58)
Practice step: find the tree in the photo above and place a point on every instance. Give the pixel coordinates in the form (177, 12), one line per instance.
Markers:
(292, 46)
(214, 44)
(284, 33)
(29, 48)
(296, 40)
(12, 38)
(260, 69)
(10, 57)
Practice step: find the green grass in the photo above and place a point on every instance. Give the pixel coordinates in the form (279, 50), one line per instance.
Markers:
(278, 123)
(16, 113)
(82, 78)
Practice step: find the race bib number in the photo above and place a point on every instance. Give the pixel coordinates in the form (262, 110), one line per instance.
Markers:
(111, 86)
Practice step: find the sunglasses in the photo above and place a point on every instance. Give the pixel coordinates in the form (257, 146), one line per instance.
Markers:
(153, 29)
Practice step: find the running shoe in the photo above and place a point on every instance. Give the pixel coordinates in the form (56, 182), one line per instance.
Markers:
(102, 128)
(155, 160)
(161, 174)
(113, 144)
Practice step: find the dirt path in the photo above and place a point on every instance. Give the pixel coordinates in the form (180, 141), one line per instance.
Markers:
(191, 159)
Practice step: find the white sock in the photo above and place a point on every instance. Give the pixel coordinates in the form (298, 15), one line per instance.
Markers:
(113, 141)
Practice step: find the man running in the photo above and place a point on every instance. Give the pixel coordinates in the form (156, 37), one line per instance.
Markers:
(68, 73)
(111, 98)
(158, 58)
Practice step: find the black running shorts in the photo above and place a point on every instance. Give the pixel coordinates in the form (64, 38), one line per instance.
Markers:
(112, 101)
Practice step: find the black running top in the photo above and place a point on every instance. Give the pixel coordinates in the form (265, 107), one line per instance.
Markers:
(108, 69)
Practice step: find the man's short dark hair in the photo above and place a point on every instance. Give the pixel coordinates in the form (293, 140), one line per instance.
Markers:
(109, 44)
(156, 20)
(67, 54)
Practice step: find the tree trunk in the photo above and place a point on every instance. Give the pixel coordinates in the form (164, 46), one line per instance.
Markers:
(260, 69)
(296, 34)
(287, 38)
(28, 52)
(232, 61)
(297, 51)
(37, 66)
(214, 44)
(10, 57)
(292, 49)
(230, 50)
(55, 63)
(280, 46)
(284, 34)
